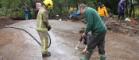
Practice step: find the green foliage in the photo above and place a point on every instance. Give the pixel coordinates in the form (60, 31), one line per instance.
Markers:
(61, 7)
(13, 8)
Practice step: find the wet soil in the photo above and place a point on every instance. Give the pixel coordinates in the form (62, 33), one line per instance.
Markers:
(7, 21)
(118, 46)
(65, 35)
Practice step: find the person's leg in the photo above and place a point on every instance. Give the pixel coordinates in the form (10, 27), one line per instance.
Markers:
(123, 16)
(91, 44)
(25, 16)
(44, 42)
(87, 56)
(29, 15)
(101, 46)
(119, 17)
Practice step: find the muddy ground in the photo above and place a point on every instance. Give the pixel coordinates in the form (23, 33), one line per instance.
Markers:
(118, 46)
(65, 36)
(7, 21)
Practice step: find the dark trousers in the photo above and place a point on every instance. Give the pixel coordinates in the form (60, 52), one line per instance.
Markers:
(121, 15)
(97, 41)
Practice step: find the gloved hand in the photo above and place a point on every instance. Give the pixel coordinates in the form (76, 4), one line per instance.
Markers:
(49, 28)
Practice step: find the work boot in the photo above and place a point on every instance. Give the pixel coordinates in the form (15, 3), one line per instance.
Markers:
(84, 58)
(102, 57)
(48, 54)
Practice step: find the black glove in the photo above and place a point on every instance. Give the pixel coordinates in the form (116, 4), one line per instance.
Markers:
(49, 28)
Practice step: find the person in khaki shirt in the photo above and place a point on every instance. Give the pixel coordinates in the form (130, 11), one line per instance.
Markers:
(43, 25)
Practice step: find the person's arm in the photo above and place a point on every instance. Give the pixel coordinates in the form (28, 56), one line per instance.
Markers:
(45, 20)
(89, 21)
(106, 13)
(98, 10)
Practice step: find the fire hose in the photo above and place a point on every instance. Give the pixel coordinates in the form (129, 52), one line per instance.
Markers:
(49, 38)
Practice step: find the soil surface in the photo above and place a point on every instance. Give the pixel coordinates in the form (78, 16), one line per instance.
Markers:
(118, 46)
(7, 21)
(65, 35)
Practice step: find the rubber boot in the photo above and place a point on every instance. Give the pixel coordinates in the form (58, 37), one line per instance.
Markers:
(87, 55)
(48, 54)
(84, 57)
(102, 57)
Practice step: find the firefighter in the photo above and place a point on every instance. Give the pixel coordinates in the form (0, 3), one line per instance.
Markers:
(43, 25)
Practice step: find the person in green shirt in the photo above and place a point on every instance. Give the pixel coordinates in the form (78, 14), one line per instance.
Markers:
(97, 27)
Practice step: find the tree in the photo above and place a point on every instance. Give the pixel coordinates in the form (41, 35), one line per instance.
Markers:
(13, 8)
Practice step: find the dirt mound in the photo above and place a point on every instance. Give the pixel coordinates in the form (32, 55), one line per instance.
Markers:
(126, 27)
(6, 21)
